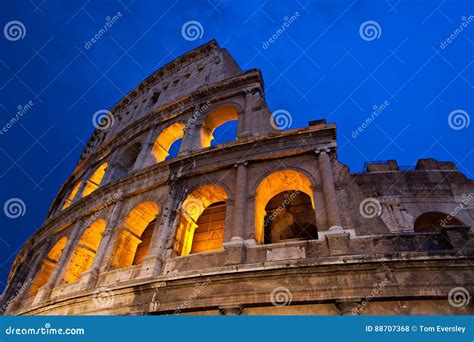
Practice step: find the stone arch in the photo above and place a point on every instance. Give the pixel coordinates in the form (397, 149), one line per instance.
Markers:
(433, 221)
(273, 184)
(217, 117)
(48, 265)
(129, 237)
(85, 251)
(165, 139)
(72, 195)
(95, 180)
(206, 196)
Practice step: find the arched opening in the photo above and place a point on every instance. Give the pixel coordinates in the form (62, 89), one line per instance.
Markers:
(434, 221)
(291, 183)
(215, 119)
(289, 216)
(85, 251)
(94, 181)
(174, 149)
(48, 265)
(226, 132)
(132, 235)
(201, 221)
(71, 196)
(167, 137)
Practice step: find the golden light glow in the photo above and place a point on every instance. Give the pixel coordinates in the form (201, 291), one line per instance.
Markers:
(216, 118)
(94, 181)
(162, 144)
(285, 180)
(72, 195)
(48, 265)
(129, 235)
(192, 208)
(85, 251)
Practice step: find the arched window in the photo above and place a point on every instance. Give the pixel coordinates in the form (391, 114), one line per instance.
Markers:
(132, 234)
(434, 221)
(215, 119)
(289, 216)
(71, 196)
(48, 265)
(201, 221)
(85, 251)
(162, 144)
(94, 181)
(286, 215)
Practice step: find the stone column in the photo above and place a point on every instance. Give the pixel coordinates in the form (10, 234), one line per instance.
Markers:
(329, 190)
(89, 277)
(191, 139)
(247, 124)
(153, 262)
(348, 307)
(235, 251)
(45, 292)
(78, 195)
(144, 155)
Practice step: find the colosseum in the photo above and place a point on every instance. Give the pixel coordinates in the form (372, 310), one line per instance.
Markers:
(270, 223)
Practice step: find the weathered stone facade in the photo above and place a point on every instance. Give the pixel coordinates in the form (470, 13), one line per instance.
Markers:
(271, 223)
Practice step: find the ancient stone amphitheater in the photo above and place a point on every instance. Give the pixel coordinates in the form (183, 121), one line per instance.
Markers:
(269, 223)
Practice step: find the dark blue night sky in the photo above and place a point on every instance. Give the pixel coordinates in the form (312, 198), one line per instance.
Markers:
(321, 66)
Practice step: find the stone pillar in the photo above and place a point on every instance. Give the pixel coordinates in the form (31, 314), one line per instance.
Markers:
(89, 277)
(231, 309)
(246, 127)
(191, 139)
(321, 218)
(144, 155)
(235, 248)
(153, 262)
(348, 307)
(45, 292)
(329, 190)
(240, 195)
(85, 178)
